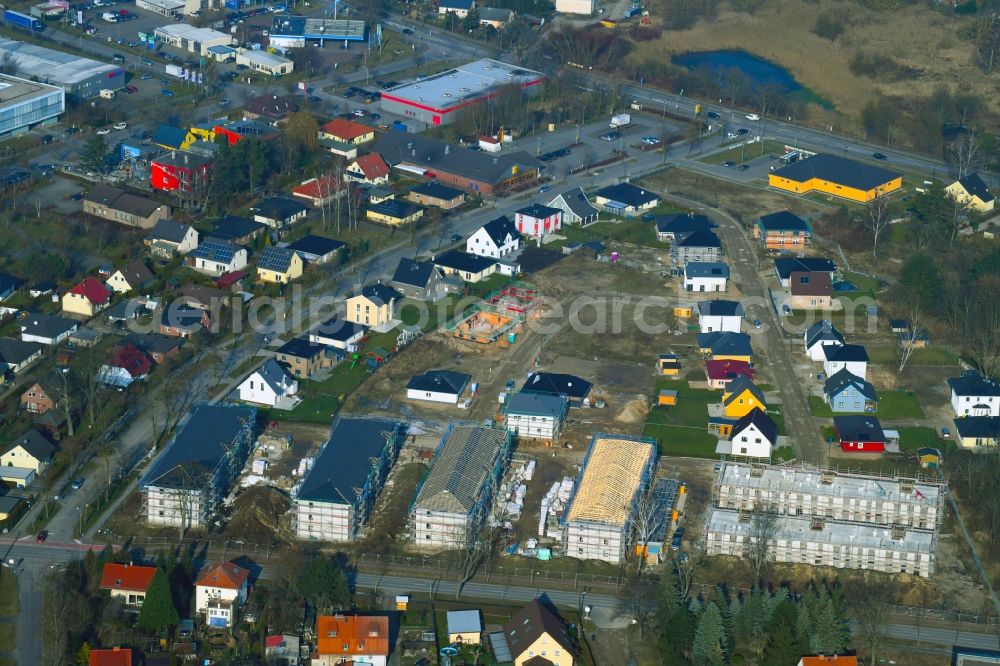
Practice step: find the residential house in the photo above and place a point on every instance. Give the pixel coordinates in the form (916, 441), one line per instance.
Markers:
(179, 170)
(471, 171)
(720, 372)
(40, 397)
(456, 494)
(9, 285)
(977, 431)
(576, 207)
(375, 306)
(342, 137)
(279, 212)
(304, 358)
(419, 280)
(974, 395)
(133, 276)
(370, 169)
(202, 297)
(536, 634)
(338, 494)
(725, 345)
(270, 108)
(755, 435)
(703, 276)
(116, 656)
(740, 396)
(782, 231)
(445, 386)
(169, 238)
(183, 321)
(497, 238)
(575, 389)
(720, 315)
(317, 249)
(128, 582)
(785, 266)
(220, 592)
(972, 192)
(394, 212)
(279, 265)
(860, 433)
(283, 650)
(820, 335)
(46, 329)
(115, 205)
(701, 246)
(536, 415)
(319, 192)
(159, 347)
(87, 298)
(270, 385)
(169, 137)
(465, 627)
(187, 483)
(338, 333)
(128, 363)
(39, 289)
(437, 195)
(16, 355)
(32, 450)
(853, 358)
(810, 291)
(375, 194)
(847, 393)
(469, 267)
(215, 256)
(537, 221)
(679, 225)
(494, 17)
(238, 230)
(352, 639)
(837, 176)
(626, 199)
(459, 8)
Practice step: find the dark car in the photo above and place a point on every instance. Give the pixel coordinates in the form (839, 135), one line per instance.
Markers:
(729, 163)
(407, 31)
(166, 92)
(880, 156)
(611, 136)
(455, 238)
(47, 139)
(741, 131)
(42, 536)
(315, 100)
(713, 115)
(77, 484)
(77, 196)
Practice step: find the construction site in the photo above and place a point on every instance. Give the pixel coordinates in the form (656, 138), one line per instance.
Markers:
(825, 517)
(500, 317)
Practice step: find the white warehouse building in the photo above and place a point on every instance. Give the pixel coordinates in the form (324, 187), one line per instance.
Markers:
(25, 104)
(598, 520)
(195, 40)
(81, 77)
(339, 492)
(455, 497)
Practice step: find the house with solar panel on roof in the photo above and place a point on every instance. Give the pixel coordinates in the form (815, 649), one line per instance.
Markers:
(338, 493)
(214, 257)
(187, 484)
(455, 497)
(279, 265)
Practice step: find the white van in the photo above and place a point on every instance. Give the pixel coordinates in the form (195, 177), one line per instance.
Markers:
(107, 93)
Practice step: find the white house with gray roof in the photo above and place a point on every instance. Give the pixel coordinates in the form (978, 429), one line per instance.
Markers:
(270, 385)
(455, 497)
(497, 238)
(536, 415)
(703, 276)
(445, 386)
(169, 238)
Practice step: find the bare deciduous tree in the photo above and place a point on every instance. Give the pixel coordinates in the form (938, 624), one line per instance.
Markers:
(646, 522)
(965, 152)
(877, 219)
(759, 550)
(686, 568)
(639, 601)
(871, 613)
(911, 339)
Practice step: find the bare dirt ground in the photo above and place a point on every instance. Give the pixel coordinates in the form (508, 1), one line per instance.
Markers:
(915, 36)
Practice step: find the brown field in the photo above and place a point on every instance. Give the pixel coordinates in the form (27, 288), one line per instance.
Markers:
(915, 36)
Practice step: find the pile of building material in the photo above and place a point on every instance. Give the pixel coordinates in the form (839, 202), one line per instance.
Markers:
(510, 499)
(553, 505)
(304, 466)
(259, 466)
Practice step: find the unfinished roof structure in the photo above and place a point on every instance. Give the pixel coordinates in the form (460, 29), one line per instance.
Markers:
(463, 463)
(615, 468)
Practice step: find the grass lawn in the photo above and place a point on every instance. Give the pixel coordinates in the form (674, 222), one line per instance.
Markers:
(891, 405)
(8, 594)
(889, 355)
(864, 283)
(8, 637)
(681, 430)
(633, 231)
(916, 437)
(783, 453)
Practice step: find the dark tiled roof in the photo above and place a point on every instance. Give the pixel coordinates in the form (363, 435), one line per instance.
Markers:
(845, 353)
(822, 330)
(408, 148)
(381, 294)
(539, 211)
(463, 261)
(785, 266)
(840, 170)
(440, 381)
(412, 272)
(499, 228)
(978, 426)
(137, 273)
(318, 246)
(170, 136)
(35, 443)
(975, 186)
(338, 329)
(279, 208)
(973, 384)
(628, 194)
(683, 223)
(698, 238)
(764, 423)
(438, 191)
(301, 348)
(858, 428)
(842, 379)
(557, 384)
(528, 625)
(741, 384)
(231, 227)
(46, 326)
(152, 343)
(782, 221)
(538, 404)
(577, 202)
(725, 343)
(15, 352)
(706, 269)
(720, 308)
(169, 231)
(395, 208)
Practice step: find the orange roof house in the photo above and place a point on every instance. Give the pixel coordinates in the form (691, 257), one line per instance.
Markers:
(352, 635)
(127, 577)
(118, 656)
(829, 661)
(223, 575)
(346, 131)
(370, 168)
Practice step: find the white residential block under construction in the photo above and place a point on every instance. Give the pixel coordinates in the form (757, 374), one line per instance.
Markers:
(829, 518)
(598, 520)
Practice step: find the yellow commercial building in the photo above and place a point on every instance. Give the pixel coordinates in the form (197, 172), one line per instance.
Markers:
(838, 176)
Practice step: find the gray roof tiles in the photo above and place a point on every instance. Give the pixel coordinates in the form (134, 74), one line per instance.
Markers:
(460, 470)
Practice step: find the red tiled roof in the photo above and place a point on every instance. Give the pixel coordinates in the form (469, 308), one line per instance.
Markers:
(223, 574)
(229, 279)
(273, 641)
(132, 359)
(130, 577)
(345, 130)
(92, 289)
(373, 166)
(318, 188)
(111, 657)
(728, 369)
(349, 635)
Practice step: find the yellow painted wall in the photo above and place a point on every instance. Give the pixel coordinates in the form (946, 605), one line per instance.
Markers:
(395, 221)
(75, 304)
(547, 645)
(827, 187)
(726, 357)
(736, 409)
(294, 272)
(958, 192)
(374, 316)
(18, 457)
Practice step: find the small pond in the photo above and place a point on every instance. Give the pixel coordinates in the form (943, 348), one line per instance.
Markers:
(758, 70)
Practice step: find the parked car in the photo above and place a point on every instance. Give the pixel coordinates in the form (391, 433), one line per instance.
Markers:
(945, 433)
(77, 196)
(455, 238)
(104, 131)
(224, 101)
(119, 126)
(145, 77)
(611, 136)
(77, 484)
(407, 31)
(741, 131)
(166, 92)
(753, 116)
(713, 115)
(544, 188)
(880, 156)
(42, 536)
(729, 163)
(756, 323)
(785, 310)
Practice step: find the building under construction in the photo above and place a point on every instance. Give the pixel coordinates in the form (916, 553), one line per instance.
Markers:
(616, 471)
(829, 518)
(500, 317)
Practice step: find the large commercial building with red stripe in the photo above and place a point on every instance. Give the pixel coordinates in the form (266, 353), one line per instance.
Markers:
(435, 99)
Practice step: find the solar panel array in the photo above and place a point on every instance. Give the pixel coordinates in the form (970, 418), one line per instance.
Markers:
(215, 250)
(275, 259)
